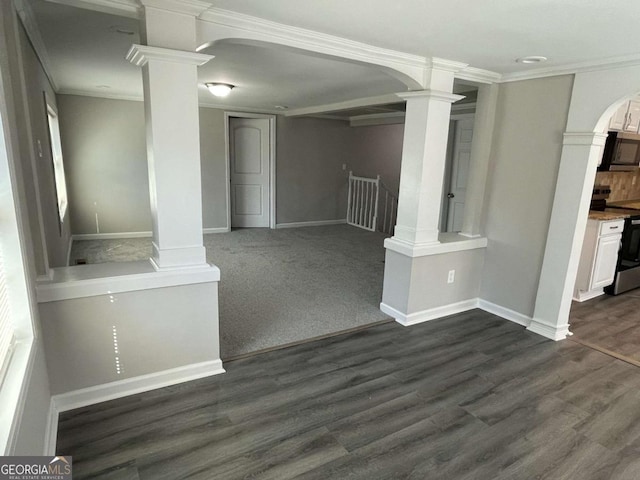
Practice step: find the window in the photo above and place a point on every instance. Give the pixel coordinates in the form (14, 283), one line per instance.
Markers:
(56, 154)
(6, 326)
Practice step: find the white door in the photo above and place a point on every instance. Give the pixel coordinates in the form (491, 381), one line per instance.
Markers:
(249, 168)
(459, 173)
(604, 268)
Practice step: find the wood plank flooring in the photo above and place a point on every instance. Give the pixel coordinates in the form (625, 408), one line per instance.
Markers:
(609, 323)
(471, 396)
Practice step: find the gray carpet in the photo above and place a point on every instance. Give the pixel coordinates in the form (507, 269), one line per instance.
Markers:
(279, 286)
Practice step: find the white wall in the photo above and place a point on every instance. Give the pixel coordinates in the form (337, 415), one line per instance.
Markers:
(530, 120)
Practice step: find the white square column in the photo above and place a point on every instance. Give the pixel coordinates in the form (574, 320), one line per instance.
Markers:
(424, 151)
(170, 80)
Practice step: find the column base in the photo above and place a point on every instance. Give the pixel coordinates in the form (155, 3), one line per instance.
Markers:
(552, 332)
(178, 258)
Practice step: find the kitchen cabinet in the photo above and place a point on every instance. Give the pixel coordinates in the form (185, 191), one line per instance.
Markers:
(633, 117)
(627, 117)
(599, 258)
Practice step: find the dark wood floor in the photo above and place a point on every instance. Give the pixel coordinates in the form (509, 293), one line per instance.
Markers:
(609, 323)
(467, 397)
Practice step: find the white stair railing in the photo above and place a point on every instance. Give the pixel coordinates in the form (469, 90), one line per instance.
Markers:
(365, 199)
(390, 209)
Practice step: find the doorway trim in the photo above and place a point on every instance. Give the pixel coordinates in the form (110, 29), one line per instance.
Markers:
(272, 162)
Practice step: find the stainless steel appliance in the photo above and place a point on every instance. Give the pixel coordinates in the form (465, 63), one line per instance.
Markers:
(628, 267)
(621, 152)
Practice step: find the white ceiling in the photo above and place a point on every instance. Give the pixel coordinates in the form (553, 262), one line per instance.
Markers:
(86, 52)
(484, 34)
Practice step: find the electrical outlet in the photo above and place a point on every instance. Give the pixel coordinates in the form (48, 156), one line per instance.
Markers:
(452, 276)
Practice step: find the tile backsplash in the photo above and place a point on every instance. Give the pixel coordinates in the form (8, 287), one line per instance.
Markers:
(624, 185)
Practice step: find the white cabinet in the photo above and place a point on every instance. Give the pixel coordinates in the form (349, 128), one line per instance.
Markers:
(627, 117)
(633, 117)
(598, 259)
(619, 119)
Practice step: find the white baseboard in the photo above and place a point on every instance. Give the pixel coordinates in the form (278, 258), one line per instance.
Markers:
(504, 312)
(317, 223)
(430, 314)
(134, 385)
(215, 230)
(552, 332)
(51, 434)
(110, 236)
(581, 296)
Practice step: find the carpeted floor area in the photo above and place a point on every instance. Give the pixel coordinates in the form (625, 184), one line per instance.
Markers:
(279, 286)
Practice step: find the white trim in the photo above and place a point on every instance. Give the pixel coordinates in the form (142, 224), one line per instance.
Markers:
(550, 331)
(503, 312)
(434, 94)
(28, 19)
(581, 296)
(346, 105)
(206, 231)
(109, 236)
(573, 68)
(185, 7)
(478, 75)
(429, 314)
(100, 94)
(110, 278)
(139, 55)
(125, 8)
(132, 386)
(51, 433)
(49, 273)
(464, 106)
(448, 242)
(314, 223)
(272, 161)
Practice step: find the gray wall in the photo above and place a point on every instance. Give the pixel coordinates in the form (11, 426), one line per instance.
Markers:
(377, 150)
(530, 120)
(32, 424)
(106, 160)
(310, 183)
(106, 164)
(57, 237)
(214, 168)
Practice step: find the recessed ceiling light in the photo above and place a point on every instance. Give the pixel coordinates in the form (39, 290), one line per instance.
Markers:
(121, 30)
(219, 89)
(532, 59)
(281, 107)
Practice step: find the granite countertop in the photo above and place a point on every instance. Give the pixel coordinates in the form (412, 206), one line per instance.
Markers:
(613, 213)
(632, 204)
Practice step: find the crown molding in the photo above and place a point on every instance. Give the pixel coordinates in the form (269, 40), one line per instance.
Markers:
(592, 66)
(478, 75)
(347, 105)
(28, 19)
(435, 94)
(101, 94)
(584, 138)
(125, 8)
(447, 65)
(139, 55)
(186, 7)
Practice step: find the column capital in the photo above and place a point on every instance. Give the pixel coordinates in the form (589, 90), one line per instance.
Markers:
(434, 94)
(139, 55)
(446, 65)
(584, 138)
(185, 7)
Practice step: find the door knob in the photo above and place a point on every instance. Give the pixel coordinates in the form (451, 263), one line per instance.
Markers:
(450, 195)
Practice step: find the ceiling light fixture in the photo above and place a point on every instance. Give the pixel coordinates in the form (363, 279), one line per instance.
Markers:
(532, 59)
(121, 30)
(219, 89)
(281, 107)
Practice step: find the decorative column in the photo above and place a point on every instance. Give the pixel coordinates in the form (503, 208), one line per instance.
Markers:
(170, 78)
(581, 152)
(424, 150)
